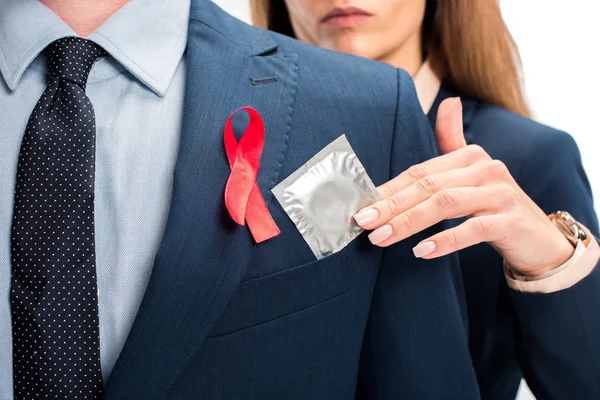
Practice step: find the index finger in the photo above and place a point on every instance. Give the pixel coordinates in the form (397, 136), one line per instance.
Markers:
(457, 159)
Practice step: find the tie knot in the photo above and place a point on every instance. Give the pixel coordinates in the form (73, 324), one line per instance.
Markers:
(72, 58)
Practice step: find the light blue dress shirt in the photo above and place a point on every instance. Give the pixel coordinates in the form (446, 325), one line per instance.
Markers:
(137, 93)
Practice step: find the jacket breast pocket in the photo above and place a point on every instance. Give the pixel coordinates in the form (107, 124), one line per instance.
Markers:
(274, 296)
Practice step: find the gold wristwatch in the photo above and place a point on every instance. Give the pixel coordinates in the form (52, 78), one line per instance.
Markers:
(573, 230)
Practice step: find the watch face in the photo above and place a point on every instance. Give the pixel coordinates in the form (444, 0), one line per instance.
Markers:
(569, 227)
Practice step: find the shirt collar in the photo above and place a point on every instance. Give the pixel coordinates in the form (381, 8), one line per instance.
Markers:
(427, 84)
(26, 28)
(148, 37)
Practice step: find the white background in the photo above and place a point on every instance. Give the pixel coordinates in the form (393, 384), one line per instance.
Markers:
(559, 43)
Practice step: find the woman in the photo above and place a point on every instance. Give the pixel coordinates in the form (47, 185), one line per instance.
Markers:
(462, 48)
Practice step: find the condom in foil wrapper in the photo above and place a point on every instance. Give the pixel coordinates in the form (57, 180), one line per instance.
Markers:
(323, 195)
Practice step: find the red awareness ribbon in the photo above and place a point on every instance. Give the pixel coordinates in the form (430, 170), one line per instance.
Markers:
(242, 195)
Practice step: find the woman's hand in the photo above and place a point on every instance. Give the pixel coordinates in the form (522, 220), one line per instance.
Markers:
(465, 182)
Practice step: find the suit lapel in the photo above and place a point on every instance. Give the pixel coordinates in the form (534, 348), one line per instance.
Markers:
(204, 255)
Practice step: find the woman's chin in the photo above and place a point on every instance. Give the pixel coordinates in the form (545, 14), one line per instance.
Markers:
(360, 52)
(355, 47)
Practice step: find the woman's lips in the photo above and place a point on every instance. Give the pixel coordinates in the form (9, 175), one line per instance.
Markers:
(346, 17)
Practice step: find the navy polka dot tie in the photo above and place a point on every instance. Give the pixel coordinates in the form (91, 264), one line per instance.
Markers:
(54, 296)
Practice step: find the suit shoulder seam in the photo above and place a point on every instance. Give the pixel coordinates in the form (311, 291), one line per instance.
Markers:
(221, 34)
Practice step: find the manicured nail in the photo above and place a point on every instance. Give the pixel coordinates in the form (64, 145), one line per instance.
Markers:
(456, 103)
(423, 249)
(380, 234)
(366, 216)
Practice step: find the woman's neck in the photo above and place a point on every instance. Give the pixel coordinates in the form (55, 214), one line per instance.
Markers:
(84, 16)
(409, 56)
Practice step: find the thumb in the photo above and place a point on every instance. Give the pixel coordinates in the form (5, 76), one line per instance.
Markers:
(449, 126)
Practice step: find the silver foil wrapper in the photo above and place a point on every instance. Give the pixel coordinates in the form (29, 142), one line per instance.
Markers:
(322, 196)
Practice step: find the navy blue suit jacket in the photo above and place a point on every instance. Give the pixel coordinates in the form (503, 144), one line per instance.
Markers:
(553, 340)
(224, 318)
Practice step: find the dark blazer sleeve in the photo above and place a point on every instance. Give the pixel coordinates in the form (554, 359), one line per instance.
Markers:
(415, 346)
(559, 339)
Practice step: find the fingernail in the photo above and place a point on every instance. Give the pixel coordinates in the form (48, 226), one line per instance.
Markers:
(366, 216)
(456, 116)
(456, 102)
(423, 249)
(380, 234)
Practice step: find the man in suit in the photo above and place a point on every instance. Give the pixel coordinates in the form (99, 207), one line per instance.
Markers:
(134, 282)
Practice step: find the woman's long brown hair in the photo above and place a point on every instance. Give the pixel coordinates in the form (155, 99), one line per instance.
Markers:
(466, 42)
